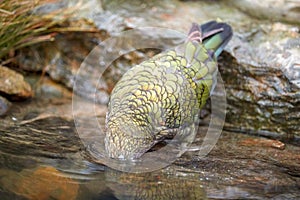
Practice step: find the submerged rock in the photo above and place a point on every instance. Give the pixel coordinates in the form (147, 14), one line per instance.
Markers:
(49, 183)
(155, 185)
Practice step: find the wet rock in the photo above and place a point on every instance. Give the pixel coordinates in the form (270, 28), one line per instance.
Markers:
(4, 106)
(45, 136)
(244, 166)
(13, 85)
(262, 82)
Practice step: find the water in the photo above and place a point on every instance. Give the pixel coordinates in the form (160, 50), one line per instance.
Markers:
(42, 157)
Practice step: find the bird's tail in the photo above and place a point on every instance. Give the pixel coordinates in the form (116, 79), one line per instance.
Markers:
(213, 35)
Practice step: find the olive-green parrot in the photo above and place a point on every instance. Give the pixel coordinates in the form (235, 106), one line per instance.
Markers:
(154, 99)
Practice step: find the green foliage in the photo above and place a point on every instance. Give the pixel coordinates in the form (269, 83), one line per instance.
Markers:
(17, 26)
(21, 27)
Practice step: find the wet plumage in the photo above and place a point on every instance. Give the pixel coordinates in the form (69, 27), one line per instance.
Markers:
(157, 97)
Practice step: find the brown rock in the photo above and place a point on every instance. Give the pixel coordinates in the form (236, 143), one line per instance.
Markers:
(13, 85)
(45, 182)
(262, 142)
